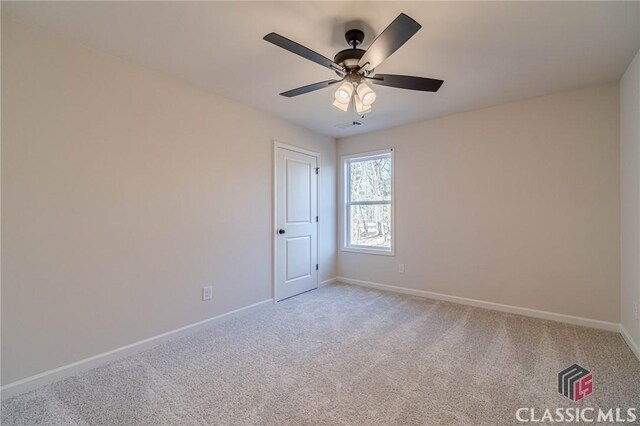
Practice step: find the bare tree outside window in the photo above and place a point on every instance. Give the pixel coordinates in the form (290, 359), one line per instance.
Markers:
(368, 201)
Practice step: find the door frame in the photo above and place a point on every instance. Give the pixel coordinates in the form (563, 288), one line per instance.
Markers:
(274, 230)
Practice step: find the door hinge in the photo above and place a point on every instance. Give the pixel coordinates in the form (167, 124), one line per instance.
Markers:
(316, 266)
(316, 218)
(317, 169)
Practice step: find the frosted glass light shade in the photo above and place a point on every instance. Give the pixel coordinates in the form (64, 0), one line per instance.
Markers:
(344, 92)
(360, 107)
(340, 105)
(367, 95)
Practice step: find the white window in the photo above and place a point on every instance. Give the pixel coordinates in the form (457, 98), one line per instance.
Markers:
(368, 202)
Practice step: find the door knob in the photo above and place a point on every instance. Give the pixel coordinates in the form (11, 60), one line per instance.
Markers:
(281, 231)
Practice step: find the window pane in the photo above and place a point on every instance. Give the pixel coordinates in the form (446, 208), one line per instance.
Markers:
(371, 225)
(371, 179)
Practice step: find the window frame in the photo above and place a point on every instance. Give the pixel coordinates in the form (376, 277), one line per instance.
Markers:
(345, 245)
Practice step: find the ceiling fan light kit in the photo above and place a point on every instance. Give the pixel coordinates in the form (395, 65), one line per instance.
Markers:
(354, 65)
(363, 96)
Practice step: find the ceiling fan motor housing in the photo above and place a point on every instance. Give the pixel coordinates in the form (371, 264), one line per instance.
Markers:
(349, 58)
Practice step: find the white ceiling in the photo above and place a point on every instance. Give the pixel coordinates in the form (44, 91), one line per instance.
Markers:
(487, 53)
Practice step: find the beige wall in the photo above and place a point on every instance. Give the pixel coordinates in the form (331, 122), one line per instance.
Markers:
(516, 204)
(630, 196)
(123, 193)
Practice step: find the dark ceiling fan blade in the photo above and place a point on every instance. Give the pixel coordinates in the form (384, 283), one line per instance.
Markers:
(407, 82)
(391, 39)
(309, 88)
(300, 50)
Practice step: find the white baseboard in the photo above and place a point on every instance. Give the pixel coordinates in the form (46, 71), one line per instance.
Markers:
(586, 322)
(35, 381)
(327, 282)
(632, 344)
(50, 376)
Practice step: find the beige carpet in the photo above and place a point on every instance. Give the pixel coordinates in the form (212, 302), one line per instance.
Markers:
(344, 355)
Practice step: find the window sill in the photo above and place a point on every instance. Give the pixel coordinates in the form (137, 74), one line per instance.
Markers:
(364, 250)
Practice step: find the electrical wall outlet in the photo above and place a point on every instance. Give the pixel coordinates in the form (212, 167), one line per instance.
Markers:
(401, 268)
(207, 293)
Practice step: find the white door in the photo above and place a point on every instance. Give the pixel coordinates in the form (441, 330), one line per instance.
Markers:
(296, 223)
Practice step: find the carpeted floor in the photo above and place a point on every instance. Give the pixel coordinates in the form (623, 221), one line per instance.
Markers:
(344, 355)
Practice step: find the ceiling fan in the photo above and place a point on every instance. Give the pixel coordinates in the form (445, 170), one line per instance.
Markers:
(356, 66)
